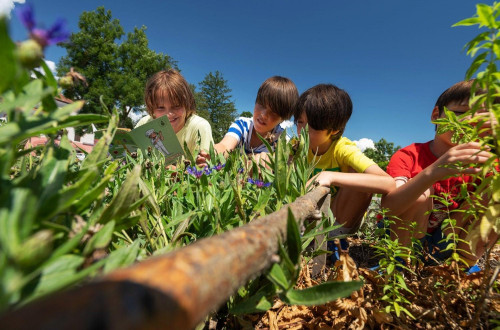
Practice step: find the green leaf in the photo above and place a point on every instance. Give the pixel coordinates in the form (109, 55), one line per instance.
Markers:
(121, 204)
(49, 77)
(255, 304)
(485, 16)
(17, 214)
(293, 238)
(101, 239)
(58, 273)
(277, 276)
(122, 257)
(323, 293)
(467, 22)
(8, 62)
(62, 273)
(281, 168)
(397, 308)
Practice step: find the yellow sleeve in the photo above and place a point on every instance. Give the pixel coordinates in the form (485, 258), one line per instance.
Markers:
(349, 155)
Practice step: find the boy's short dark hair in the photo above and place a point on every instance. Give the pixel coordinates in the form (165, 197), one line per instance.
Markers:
(458, 93)
(327, 107)
(279, 94)
(172, 84)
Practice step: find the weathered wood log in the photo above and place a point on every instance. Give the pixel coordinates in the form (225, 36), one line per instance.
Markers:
(174, 291)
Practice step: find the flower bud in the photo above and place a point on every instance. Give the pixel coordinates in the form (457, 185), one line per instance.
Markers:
(30, 54)
(66, 82)
(35, 249)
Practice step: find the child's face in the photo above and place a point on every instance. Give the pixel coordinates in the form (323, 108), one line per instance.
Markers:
(176, 113)
(458, 108)
(319, 140)
(264, 120)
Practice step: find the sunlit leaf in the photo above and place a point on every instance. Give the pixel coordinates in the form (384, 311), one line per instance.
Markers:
(322, 293)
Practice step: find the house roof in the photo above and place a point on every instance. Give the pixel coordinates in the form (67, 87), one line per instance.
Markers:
(35, 141)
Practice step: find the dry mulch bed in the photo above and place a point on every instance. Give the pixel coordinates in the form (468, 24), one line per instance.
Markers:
(444, 298)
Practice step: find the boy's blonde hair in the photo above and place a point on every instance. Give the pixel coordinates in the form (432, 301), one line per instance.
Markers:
(279, 94)
(169, 83)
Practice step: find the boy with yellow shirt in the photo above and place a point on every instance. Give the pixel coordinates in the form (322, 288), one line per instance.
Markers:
(339, 163)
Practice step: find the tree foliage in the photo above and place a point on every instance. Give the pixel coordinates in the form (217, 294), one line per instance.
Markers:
(247, 114)
(216, 101)
(382, 152)
(115, 69)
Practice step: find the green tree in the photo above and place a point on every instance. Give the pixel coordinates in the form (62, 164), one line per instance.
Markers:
(201, 108)
(114, 68)
(382, 152)
(247, 114)
(215, 93)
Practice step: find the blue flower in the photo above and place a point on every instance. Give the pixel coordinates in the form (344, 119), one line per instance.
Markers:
(258, 183)
(219, 167)
(241, 170)
(56, 34)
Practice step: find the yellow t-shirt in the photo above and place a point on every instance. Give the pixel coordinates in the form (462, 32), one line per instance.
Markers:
(341, 155)
(189, 133)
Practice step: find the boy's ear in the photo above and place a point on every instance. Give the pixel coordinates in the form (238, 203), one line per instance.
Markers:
(435, 113)
(334, 132)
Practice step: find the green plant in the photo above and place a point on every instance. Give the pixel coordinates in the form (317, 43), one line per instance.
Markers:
(393, 266)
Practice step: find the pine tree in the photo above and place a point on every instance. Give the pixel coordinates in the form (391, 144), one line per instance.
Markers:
(217, 103)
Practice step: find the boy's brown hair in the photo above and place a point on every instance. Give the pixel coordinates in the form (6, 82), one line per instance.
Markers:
(169, 83)
(459, 92)
(279, 94)
(327, 107)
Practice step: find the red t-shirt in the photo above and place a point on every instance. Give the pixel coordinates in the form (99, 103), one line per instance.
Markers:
(411, 160)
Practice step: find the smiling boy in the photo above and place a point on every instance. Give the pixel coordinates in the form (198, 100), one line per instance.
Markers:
(168, 94)
(274, 103)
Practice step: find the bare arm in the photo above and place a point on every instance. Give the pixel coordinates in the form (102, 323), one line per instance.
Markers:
(227, 144)
(400, 199)
(373, 180)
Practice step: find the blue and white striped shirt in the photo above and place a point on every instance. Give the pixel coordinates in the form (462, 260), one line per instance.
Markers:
(242, 129)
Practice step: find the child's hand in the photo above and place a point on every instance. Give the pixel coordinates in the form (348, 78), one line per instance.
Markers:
(463, 154)
(262, 159)
(324, 179)
(486, 121)
(202, 158)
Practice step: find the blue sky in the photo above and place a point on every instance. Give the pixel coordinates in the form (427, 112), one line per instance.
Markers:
(394, 57)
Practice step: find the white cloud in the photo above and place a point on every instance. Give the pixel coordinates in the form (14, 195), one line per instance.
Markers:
(51, 65)
(364, 144)
(287, 124)
(6, 6)
(137, 114)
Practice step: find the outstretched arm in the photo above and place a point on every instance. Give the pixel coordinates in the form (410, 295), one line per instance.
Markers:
(227, 144)
(400, 199)
(373, 180)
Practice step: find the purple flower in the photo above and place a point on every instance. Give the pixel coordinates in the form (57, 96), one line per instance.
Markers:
(198, 173)
(56, 34)
(219, 167)
(258, 183)
(241, 170)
